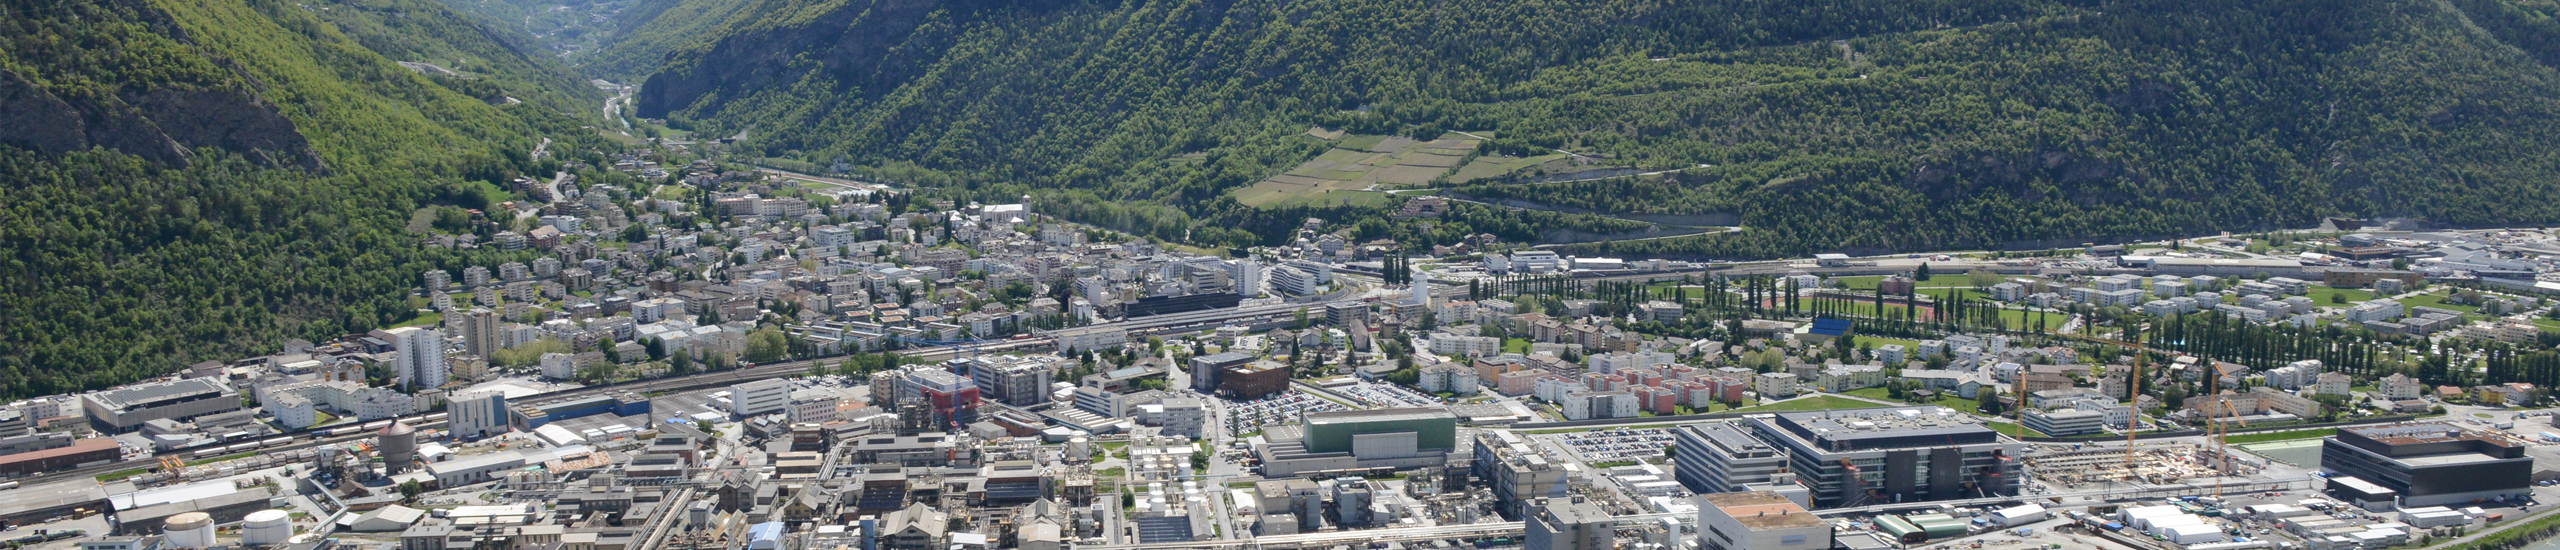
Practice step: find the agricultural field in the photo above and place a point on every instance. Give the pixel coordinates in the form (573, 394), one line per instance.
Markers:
(1358, 167)
(1494, 166)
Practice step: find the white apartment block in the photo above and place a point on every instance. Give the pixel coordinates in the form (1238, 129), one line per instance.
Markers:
(418, 356)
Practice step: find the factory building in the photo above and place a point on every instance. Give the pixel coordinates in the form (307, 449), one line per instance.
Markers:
(1345, 441)
(1517, 472)
(1758, 520)
(1569, 524)
(1719, 457)
(1205, 369)
(2424, 464)
(1902, 454)
(124, 409)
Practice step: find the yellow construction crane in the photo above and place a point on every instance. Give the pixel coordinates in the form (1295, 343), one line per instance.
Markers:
(2220, 431)
(2132, 397)
(2133, 388)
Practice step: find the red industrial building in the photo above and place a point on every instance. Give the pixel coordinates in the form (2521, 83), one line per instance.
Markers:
(80, 452)
(1253, 380)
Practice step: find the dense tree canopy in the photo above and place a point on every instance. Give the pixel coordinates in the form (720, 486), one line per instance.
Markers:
(1823, 125)
(117, 267)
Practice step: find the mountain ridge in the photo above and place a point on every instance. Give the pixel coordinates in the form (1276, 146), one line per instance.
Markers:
(1828, 125)
(271, 208)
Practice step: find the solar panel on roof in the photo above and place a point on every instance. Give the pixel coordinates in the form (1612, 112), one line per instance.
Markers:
(1164, 529)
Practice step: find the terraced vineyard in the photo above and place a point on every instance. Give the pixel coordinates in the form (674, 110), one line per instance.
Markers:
(1358, 166)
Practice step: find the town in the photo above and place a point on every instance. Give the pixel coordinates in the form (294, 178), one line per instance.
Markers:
(725, 358)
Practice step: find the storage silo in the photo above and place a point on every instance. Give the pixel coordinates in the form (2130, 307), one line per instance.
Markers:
(266, 528)
(189, 530)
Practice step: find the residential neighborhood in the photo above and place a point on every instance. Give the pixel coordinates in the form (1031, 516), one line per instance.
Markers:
(763, 360)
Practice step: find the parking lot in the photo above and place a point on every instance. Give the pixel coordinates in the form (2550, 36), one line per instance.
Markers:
(1280, 408)
(1383, 395)
(1614, 445)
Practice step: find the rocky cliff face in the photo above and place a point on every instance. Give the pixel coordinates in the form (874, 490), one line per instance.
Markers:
(164, 125)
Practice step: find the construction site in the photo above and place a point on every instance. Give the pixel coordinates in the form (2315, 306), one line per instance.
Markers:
(2076, 466)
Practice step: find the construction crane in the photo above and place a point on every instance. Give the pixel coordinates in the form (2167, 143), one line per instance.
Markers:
(2133, 388)
(2215, 429)
(2220, 431)
(2132, 395)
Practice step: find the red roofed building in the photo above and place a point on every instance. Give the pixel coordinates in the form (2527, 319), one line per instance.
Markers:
(80, 452)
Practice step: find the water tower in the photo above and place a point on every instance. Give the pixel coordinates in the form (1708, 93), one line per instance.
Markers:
(398, 444)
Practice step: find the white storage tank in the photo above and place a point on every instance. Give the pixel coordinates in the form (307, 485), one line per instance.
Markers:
(189, 530)
(266, 528)
(1079, 446)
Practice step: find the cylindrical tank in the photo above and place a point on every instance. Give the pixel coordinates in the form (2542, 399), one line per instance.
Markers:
(1079, 447)
(399, 445)
(189, 530)
(266, 528)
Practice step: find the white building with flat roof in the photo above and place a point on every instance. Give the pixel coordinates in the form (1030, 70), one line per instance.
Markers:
(771, 395)
(1758, 520)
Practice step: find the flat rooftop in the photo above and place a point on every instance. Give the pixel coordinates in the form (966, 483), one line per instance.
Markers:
(1730, 439)
(2410, 434)
(1903, 421)
(1223, 358)
(1763, 510)
(1378, 415)
(154, 392)
(1862, 429)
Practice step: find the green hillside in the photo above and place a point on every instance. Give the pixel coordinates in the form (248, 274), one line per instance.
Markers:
(198, 179)
(496, 61)
(644, 33)
(1822, 125)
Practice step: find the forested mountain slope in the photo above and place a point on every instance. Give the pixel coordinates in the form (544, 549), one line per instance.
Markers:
(498, 61)
(647, 31)
(1824, 125)
(184, 180)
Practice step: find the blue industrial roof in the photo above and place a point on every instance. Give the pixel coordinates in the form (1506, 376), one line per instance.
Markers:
(771, 530)
(1830, 327)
